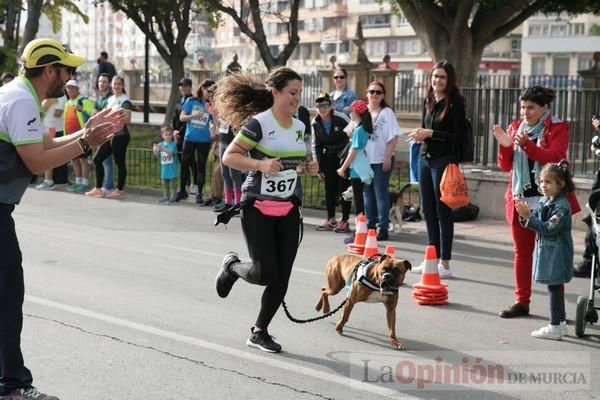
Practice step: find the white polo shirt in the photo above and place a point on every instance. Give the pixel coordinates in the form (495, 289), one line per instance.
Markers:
(21, 117)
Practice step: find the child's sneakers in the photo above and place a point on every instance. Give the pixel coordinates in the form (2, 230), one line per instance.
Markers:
(552, 332)
(564, 329)
(418, 269)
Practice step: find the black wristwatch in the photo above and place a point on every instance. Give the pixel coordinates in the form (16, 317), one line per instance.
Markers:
(84, 145)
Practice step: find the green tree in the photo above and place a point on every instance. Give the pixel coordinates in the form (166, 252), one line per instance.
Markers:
(459, 30)
(254, 28)
(166, 23)
(9, 25)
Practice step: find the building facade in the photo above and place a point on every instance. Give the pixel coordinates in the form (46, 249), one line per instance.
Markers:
(559, 44)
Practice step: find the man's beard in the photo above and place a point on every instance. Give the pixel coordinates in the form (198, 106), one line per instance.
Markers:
(57, 89)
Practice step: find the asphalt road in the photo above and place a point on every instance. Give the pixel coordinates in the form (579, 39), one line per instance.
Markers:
(120, 304)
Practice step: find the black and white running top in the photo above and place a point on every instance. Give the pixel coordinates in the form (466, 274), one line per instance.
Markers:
(271, 140)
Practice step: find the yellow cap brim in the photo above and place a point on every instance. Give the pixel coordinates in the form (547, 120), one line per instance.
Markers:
(72, 60)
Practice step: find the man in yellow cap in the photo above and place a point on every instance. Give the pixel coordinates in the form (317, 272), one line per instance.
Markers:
(25, 148)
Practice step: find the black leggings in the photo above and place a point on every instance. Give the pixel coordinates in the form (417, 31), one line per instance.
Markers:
(188, 156)
(118, 148)
(334, 186)
(556, 296)
(272, 245)
(357, 196)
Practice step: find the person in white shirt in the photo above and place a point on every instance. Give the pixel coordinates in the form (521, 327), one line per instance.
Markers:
(380, 151)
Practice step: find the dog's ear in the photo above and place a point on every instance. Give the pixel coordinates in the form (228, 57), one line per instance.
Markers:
(407, 265)
(383, 258)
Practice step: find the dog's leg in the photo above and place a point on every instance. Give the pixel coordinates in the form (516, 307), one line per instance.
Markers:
(323, 302)
(339, 327)
(390, 313)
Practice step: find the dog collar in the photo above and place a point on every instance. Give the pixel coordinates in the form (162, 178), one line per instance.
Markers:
(362, 273)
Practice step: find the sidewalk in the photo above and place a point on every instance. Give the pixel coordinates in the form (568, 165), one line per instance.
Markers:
(486, 230)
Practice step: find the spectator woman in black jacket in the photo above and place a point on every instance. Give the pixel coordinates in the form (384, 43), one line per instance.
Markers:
(330, 142)
(442, 129)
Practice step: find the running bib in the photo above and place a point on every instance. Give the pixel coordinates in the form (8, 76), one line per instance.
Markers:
(203, 120)
(166, 158)
(223, 128)
(281, 185)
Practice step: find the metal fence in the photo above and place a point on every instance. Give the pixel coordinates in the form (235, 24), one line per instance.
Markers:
(488, 106)
(143, 170)
(411, 88)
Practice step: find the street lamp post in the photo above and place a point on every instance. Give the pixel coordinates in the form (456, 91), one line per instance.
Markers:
(146, 82)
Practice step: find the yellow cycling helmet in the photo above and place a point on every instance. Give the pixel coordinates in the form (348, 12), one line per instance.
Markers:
(41, 52)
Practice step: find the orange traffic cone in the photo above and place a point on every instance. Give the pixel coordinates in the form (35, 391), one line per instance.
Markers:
(390, 251)
(430, 290)
(371, 247)
(360, 236)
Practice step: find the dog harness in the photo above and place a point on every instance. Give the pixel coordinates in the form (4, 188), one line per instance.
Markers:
(361, 274)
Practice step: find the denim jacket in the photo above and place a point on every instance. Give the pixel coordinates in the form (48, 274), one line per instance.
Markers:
(553, 258)
(342, 103)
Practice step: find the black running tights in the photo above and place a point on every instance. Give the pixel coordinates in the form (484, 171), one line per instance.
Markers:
(272, 245)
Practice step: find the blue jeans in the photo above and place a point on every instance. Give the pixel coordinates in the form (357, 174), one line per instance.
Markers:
(377, 198)
(438, 216)
(108, 173)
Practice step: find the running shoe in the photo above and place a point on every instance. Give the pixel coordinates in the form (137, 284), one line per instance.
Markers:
(342, 227)
(95, 192)
(327, 225)
(552, 332)
(28, 394)
(45, 185)
(81, 189)
(225, 278)
(72, 187)
(263, 341)
(116, 195)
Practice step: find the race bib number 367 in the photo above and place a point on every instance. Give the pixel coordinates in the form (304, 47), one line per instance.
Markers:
(281, 185)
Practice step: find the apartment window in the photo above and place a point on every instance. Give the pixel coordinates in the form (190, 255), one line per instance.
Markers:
(402, 21)
(391, 46)
(558, 30)
(515, 45)
(576, 29)
(584, 62)
(409, 47)
(538, 66)
(377, 47)
(560, 66)
(535, 30)
(375, 21)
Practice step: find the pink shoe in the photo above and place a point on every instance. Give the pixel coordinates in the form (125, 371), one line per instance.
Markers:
(95, 192)
(116, 195)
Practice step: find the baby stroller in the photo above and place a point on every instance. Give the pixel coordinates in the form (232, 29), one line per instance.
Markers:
(587, 312)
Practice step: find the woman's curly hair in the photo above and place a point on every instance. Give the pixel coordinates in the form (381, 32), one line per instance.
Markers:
(239, 96)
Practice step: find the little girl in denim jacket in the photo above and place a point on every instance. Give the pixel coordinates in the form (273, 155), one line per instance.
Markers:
(553, 258)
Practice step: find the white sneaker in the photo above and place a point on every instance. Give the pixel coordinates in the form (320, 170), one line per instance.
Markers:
(418, 269)
(444, 272)
(564, 329)
(194, 189)
(45, 185)
(552, 332)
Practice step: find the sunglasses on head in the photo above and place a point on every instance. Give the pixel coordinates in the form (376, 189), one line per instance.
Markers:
(339, 77)
(377, 92)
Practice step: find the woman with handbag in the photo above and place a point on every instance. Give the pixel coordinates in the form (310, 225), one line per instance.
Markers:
(529, 143)
(330, 145)
(442, 127)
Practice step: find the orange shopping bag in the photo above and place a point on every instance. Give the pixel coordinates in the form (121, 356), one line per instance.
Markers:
(453, 187)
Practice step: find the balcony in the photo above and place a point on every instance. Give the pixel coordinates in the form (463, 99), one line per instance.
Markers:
(580, 44)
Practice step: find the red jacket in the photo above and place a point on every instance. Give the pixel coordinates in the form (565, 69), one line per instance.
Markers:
(552, 148)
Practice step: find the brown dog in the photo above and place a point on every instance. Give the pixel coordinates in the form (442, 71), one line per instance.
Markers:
(387, 274)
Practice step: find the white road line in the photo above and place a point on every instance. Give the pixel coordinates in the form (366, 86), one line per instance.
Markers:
(294, 368)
